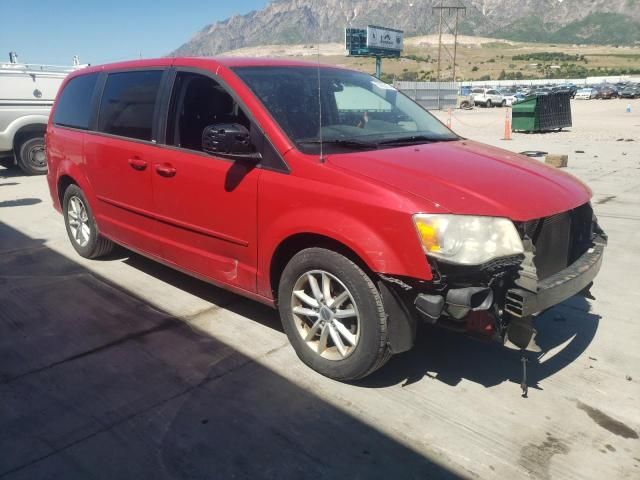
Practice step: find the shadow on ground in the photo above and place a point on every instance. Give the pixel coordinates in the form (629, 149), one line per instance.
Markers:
(21, 202)
(445, 356)
(8, 170)
(96, 383)
(450, 357)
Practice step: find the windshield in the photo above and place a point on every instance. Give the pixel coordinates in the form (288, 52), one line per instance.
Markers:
(358, 111)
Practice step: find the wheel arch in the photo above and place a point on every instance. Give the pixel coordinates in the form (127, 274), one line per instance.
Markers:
(63, 183)
(295, 243)
(401, 324)
(31, 130)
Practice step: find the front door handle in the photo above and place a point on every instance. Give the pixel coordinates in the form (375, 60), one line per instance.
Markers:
(137, 164)
(166, 170)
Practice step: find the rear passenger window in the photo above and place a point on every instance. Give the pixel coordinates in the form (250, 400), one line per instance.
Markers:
(128, 103)
(74, 105)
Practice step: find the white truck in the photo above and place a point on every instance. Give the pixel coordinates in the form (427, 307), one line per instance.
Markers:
(27, 93)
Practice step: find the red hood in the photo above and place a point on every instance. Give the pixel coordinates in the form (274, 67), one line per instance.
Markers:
(466, 177)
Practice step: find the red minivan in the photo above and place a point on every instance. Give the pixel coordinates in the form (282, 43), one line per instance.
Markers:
(320, 191)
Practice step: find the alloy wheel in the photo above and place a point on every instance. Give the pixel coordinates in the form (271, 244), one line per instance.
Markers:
(78, 221)
(325, 315)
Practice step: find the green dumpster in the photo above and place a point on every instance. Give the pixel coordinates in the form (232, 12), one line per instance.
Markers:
(542, 113)
(523, 115)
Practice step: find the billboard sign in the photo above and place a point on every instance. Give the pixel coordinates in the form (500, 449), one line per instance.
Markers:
(374, 42)
(385, 38)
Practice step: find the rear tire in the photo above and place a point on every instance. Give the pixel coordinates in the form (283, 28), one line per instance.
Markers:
(355, 339)
(31, 156)
(81, 225)
(503, 104)
(488, 104)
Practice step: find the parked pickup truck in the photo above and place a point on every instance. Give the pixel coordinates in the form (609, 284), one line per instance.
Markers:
(27, 95)
(322, 192)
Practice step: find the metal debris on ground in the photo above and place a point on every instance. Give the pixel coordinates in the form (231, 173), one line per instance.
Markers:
(534, 153)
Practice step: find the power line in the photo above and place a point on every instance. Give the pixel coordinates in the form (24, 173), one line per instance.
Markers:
(449, 19)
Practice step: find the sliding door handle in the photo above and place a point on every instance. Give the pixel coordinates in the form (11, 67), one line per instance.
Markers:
(166, 170)
(137, 164)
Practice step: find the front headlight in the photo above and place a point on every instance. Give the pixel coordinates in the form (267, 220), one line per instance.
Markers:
(467, 240)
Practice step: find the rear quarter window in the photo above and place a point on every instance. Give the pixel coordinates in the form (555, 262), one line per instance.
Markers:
(74, 105)
(128, 104)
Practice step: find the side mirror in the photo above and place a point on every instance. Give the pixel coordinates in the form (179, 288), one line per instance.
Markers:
(231, 140)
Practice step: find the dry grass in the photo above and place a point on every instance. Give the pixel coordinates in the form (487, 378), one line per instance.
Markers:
(489, 55)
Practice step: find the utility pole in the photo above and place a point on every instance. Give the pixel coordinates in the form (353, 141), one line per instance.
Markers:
(449, 20)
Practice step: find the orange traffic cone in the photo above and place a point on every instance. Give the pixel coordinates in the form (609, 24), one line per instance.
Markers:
(507, 125)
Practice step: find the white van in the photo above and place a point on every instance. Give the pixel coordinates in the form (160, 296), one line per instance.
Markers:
(28, 92)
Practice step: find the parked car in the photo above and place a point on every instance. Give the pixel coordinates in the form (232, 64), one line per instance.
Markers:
(630, 91)
(543, 91)
(487, 97)
(509, 98)
(358, 223)
(607, 93)
(585, 94)
(511, 95)
(566, 88)
(28, 92)
(519, 97)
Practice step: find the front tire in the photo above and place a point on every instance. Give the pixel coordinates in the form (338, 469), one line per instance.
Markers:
(31, 156)
(333, 315)
(488, 104)
(81, 225)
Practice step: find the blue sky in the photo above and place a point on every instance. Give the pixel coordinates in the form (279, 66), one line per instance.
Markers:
(100, 31)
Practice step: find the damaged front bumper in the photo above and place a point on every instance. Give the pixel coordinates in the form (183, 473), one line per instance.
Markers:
(559, 287)
(498, 300)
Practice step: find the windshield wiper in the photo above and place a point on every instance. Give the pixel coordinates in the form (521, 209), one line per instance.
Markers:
(415, 139)
(355, 144)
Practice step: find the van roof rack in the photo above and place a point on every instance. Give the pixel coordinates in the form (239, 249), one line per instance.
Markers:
(38, 67)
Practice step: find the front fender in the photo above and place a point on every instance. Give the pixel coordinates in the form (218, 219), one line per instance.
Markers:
(382, 251)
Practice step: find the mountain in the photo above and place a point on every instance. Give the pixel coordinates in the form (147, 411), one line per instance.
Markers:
(311, 21)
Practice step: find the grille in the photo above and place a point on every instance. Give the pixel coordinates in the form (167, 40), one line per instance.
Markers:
(560, 239)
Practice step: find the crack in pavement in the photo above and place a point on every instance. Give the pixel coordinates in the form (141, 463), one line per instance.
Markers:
(166, 324)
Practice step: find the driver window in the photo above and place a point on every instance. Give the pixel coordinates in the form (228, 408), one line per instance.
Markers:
(198, 101)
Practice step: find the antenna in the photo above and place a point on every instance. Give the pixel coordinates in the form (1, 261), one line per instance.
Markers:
(319, 97)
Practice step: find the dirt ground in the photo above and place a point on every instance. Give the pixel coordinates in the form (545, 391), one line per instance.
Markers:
(122, 368)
